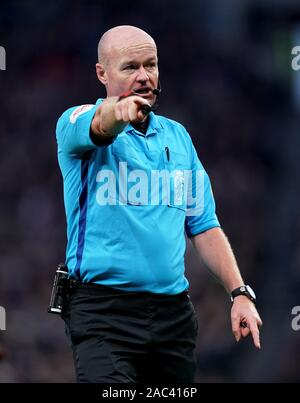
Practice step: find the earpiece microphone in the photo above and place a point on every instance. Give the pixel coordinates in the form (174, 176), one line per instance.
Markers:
(146, 109)
(157, 90)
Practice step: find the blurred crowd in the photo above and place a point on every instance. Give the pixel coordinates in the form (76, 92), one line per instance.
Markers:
(232, 91)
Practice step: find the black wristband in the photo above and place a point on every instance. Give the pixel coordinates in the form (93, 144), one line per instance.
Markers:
(244, 290)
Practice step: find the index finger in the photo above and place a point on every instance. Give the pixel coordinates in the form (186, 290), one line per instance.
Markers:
(253, 326)
(144, 108)
(140, 101)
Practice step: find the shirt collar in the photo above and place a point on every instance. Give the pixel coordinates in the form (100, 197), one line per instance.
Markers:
(153, 128)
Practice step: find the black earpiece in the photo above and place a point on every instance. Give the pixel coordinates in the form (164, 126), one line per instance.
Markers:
(146, 109)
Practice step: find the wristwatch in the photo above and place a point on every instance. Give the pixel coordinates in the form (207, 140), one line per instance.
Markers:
(244, 290)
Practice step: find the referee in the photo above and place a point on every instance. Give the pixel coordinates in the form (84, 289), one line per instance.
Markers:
(133, 186)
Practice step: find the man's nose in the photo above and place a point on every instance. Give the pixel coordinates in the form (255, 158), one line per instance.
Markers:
(142, 75)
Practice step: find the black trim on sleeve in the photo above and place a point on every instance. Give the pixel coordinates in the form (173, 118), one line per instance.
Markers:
(100, 141)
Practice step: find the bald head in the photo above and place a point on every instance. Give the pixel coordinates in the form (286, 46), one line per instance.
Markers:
(120, 38)
(127, 61)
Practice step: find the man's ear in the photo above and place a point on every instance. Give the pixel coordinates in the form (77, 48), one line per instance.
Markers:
(101, 73)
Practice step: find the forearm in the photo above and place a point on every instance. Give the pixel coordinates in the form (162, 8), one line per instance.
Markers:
(215, 251)
(105, 124)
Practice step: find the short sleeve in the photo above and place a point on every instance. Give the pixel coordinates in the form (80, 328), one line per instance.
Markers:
(73, 130)
(201, 207)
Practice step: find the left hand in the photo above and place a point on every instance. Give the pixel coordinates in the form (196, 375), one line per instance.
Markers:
(245, 319)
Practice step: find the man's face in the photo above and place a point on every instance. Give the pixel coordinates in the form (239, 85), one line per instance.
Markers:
(131, 68)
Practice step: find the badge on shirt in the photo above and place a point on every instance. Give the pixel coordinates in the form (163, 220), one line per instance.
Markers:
(79, 111)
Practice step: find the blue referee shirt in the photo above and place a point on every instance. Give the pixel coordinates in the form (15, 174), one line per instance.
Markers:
(128, 203)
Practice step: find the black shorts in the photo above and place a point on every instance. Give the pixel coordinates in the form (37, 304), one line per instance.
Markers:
(121, 337)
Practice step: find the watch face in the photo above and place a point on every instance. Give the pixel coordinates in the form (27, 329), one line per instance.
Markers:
(244, 290)
(250, 291)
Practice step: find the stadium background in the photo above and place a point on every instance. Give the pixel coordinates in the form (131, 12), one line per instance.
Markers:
(225, 68)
